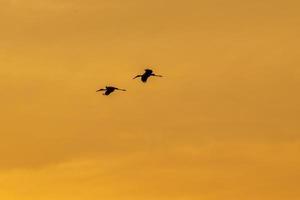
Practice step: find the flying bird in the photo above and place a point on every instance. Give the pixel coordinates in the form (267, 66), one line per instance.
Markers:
(109, 89)
(146, 75)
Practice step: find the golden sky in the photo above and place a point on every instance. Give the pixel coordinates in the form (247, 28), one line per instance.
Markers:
(223, 124)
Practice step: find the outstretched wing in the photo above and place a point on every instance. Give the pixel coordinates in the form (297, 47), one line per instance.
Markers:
(107, 92)
(100, 90)
(137, 76)
(148, 71)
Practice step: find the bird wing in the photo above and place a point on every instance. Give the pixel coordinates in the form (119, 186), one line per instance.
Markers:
(137, 76)
(148, 71)
(100, 90)
(107, 92)
(158, 75)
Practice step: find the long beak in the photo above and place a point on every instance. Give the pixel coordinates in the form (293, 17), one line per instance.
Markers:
(100, 90)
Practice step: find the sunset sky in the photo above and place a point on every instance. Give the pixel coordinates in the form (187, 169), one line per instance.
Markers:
(222, 124)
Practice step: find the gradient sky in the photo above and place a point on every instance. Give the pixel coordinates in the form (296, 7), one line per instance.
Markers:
(223, 124)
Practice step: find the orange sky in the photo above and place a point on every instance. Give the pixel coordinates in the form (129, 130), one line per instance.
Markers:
(223, 124)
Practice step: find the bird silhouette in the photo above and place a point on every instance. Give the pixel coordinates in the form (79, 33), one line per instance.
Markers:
(146, 75)
(109, 89)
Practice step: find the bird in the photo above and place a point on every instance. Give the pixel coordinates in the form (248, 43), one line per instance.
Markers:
(146, 75)
(109, 89)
